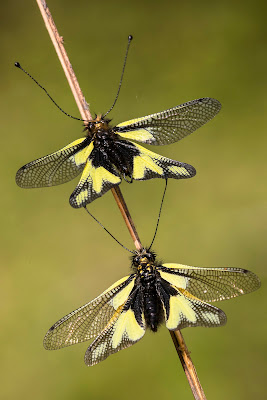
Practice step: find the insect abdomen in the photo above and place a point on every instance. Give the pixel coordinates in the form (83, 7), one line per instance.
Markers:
(153, 311)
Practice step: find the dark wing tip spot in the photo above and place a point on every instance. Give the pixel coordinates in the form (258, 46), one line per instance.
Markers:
(223, 318)
(18, 177)
(192, 170)
(74, 204)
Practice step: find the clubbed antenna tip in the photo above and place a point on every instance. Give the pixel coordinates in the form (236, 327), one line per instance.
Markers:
(17, 64)
(130, 38)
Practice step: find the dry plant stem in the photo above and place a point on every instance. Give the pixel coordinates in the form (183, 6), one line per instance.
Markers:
(57, 41)
(187, 365)
(126, 216)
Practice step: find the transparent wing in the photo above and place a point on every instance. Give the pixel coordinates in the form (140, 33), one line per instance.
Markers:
(210, 284)
(125, 328)
(170, 125)
(148, 165)
(55, 168)
(87, 321)
(94, 182)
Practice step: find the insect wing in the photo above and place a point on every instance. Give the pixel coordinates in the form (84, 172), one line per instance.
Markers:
(94, 182)
(182, 310)
(210, 284)
(126, 327)
(55, 168)
(186, 311)
(170, 125)
(89, 320)
(148, 165)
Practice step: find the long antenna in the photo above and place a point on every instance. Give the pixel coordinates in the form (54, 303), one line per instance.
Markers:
(130, 38)
(108, 231)
(17, 64)
(157, 225)
(160, 209)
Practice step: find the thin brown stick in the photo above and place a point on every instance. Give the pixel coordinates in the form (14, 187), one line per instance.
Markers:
(126, 216)
(187, 364)
(57, 41)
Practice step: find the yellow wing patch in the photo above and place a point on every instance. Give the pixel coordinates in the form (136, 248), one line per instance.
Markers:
(144, 163)
(122, 296)
(176, 266)
(94, 183)
(82, 156)
(121, 331)
(185, 311)
(176, 280)
(180, 308)
(141, 135)
(80, 199)
(150, 165)
(99, 176)
(126, 327)
(181, 171)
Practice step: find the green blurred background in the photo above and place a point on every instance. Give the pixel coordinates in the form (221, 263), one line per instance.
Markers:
(55, 258)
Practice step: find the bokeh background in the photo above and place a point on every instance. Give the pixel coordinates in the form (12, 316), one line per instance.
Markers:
(55, 258)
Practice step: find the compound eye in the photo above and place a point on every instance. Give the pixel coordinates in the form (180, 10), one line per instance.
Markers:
(136, 260)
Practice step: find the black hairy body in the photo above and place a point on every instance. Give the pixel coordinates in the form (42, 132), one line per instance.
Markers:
(109, 149)
(151, 290)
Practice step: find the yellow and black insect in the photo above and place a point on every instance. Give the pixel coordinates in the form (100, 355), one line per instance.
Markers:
(107, 154)
(153, 293)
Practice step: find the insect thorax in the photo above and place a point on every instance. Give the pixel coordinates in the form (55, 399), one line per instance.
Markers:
(99, 128)
(109, 149)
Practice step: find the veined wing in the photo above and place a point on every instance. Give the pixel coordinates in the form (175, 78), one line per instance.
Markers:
(148, 165)
(56, 168)
(125, 328)
(184, 310)
(89, 320)
(170, 125)
(94, 182)
(210, 284)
